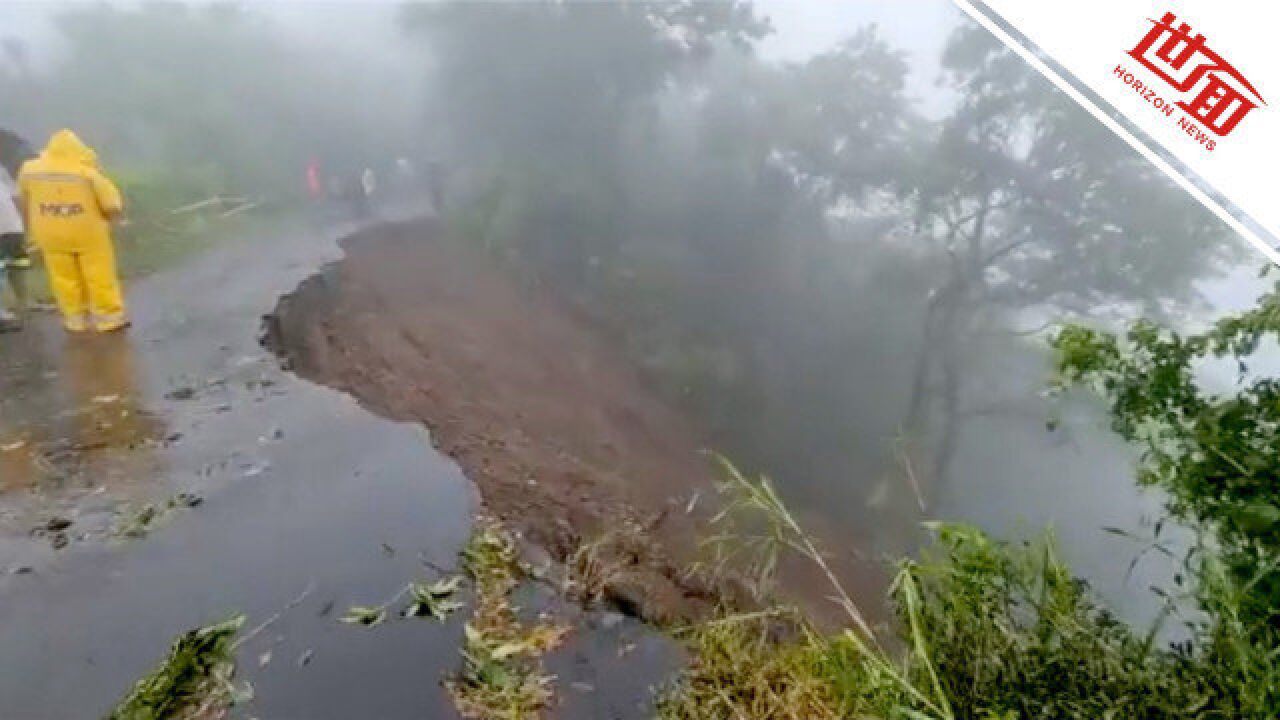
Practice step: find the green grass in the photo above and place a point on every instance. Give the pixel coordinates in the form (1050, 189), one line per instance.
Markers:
(194, 682)
(741, 667)
(983, 629)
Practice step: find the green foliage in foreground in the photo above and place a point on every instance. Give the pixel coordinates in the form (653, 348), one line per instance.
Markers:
(1215, 455)
(997, 631)
(193, 682)
(985, 630)
(1012, 634)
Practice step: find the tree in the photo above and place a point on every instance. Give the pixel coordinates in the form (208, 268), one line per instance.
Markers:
(1033, 210)
(768, 239)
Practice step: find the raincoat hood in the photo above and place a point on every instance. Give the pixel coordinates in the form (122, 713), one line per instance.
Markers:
(66, 145)
(68, 200)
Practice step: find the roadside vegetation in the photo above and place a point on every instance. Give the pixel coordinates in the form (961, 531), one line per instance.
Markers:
(983, 629)
(194, 682)
(1003, 630)
(501, 676)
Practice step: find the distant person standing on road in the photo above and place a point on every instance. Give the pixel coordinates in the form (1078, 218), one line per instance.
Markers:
(12, 249)
(69, 205)
(315, 190)
(363, 194)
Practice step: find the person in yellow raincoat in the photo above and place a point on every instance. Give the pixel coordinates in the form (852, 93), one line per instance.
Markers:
(69, 205)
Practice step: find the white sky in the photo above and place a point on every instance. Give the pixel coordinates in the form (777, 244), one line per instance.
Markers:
(804, 27)
(918, 27)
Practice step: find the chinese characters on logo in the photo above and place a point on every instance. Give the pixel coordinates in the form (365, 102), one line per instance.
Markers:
(1213, 92)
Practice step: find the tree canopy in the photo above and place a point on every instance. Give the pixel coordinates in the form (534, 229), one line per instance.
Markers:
(799, 239)
(1213, 453)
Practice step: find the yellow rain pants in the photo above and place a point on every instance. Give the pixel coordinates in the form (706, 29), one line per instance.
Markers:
(68, 203)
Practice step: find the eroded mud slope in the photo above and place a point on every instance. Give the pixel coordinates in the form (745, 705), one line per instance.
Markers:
(564, 441)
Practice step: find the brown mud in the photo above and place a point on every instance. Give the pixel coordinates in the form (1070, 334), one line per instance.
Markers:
(565, 442)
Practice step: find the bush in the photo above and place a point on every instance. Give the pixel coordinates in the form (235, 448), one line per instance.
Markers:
(1213, 454)
(984, 630)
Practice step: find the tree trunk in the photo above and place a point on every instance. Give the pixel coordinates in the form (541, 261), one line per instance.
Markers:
(951, 378)
(917, 407)
(940, 355)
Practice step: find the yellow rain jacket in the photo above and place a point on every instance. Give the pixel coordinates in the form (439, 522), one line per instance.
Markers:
(67, 200)
(69, 204)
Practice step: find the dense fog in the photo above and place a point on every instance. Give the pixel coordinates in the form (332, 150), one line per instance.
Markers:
(839, 247)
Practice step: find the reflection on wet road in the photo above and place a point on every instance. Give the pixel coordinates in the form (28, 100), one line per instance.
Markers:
(102, 619)
(301, 487)
(71, 416)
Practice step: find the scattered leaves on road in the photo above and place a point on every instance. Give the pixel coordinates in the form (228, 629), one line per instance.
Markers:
(365, 615)
(434, 600)
(194, 682)
(138, 521)
(502, 676)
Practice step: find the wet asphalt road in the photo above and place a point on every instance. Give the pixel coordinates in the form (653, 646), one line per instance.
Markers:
(304, 493)
(309, 504)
